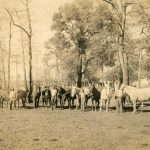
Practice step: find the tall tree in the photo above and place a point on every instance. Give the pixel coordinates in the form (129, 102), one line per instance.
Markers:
(9, 52)
(23, 52)
(74, 30)
(3, 52)
(28, 32)
(121, 10)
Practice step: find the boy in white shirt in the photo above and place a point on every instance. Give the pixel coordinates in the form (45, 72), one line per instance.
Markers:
(12, 98)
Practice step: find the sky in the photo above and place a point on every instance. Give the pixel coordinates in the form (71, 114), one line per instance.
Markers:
(41, 17)
(42, 12)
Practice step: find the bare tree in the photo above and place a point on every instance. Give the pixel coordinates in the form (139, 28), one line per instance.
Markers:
(23, 53)
(16, 61)
(9, 52)
(120, 8)
(29, 35)
(3, 51)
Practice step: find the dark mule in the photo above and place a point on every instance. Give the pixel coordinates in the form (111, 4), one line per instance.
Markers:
(61, 96)
(95, 96)
(36, 96)
(22, 94)
(43, 98)
(4, 97)
(122, 101)
(47, 97)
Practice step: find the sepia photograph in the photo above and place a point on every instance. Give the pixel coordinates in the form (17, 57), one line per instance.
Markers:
(74, 74)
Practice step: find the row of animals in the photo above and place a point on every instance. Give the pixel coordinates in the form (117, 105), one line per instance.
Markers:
(99, 97)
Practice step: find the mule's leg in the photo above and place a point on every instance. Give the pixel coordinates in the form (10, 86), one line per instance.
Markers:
(95, 105)
(101, 104)
(117, 104)
(15, 104)
(73, 102)
(69, 103)
(38, 99)
(142, 104)
(84, 104)
(81, 104)
(50, 102)
(61, 102)
(98, 104)
(134, 106)
(121, 104)
(18, 103)
(0, 101)
(10, 104)
(43, 100)
(55, 102)
(77, 103)
(107, 103)
(92, 105)
(35, 103)
(24, 102)
(46, 101)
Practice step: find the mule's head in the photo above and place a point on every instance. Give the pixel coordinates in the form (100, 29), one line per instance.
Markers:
(122, 87)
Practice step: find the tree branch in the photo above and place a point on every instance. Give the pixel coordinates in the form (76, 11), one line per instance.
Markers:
(17, 24)
(87, 62)
(114, 7)
(109, 2)
(23, 2)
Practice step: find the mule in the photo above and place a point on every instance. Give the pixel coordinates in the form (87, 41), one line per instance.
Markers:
(4, 97)
(54, 93)
(136, 94)
(22, 94)
(63, 96)
(83, 97)
(105, 96)
(47, 97)
(36, 96)
(95, 96)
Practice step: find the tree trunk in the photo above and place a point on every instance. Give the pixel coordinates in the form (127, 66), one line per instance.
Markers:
(23, 54)
(124, 66)
(57, 70)
(3, 69)
(23, 61)
(9, 52)
(79, 72)
(30, 53)
(30, 71)
(139, 72)
(102, 70)
(37, 63)
(16, 75)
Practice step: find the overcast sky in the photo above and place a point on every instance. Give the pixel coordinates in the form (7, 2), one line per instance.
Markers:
(41, 16)
(42, 13)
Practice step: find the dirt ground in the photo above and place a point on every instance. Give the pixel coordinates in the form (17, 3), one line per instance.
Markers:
(42, 128)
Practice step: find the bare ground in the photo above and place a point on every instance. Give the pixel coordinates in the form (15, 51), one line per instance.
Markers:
(42, 128)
